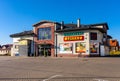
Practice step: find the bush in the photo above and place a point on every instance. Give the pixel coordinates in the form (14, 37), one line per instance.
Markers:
(114, 52)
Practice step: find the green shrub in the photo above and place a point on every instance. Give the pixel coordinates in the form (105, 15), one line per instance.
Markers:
(114, 52)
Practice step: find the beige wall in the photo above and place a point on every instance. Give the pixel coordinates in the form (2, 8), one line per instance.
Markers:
(86, 40)
(15, 47)
(3, 52)
(60, 39)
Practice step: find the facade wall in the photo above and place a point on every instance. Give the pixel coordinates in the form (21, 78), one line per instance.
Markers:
(5, 51)
(43, 42)
(87, 42)
(16, 44)
(15, 47)
(73, 52)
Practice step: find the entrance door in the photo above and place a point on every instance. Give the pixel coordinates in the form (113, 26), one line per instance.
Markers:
(102, 50)
(44, 50)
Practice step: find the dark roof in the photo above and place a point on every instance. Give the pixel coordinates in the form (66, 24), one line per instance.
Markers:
(24, 33)
(73, 27)
(98, 24)
(41, 22)
(7, 46)
(109, 36)
(45, 21)
(82, 28)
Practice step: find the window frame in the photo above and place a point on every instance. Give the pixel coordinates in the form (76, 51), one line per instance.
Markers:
(95, 36)
(45, 31)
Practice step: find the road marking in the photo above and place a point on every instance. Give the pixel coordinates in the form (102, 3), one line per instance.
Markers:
(100, 80)
(52, 77)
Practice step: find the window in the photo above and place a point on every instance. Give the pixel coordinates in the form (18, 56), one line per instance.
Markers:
(94, 47)
(44, 33)
(65, 47)
(80, 47)
(93, 36)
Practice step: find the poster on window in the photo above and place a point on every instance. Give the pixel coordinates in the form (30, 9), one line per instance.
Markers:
(65, 48)
(94, 47)
(80, 47)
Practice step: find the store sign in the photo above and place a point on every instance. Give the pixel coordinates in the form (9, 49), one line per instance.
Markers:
(73, 33)
(73, 38)
(23, 42)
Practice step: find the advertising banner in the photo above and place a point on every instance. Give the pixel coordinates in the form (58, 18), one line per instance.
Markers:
(66, 48)
(80, 47)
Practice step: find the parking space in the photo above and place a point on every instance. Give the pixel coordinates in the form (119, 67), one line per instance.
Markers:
(59, 69)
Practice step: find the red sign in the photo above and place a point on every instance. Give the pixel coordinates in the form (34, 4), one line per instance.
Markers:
(73, 38)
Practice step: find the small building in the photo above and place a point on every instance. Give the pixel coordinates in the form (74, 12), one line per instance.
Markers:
(5, 50)
(114, 45)
(23, 43)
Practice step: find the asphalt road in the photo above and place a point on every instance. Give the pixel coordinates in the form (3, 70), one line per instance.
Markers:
(59, 69)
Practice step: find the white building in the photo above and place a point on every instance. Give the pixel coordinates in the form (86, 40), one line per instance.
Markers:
(23, 44)
(5, 49)
(82, 40)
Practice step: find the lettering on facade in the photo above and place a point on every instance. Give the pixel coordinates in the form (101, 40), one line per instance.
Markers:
(73, 33)
(73, 38)
(23, 42)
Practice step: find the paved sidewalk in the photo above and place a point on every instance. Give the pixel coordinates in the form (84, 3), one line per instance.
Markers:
(59, 69)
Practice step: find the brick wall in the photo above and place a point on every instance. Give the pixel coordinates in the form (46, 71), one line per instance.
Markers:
(51, 41)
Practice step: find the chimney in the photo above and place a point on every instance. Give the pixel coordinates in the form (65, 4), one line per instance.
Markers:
(78, 23)
(62, 24)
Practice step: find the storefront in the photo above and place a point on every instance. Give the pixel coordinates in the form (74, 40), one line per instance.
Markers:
(82, 41)
(44, 39)
(67, 40)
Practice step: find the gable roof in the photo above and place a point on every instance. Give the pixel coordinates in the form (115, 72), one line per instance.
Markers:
(24, 33)
(41, 22)
(7, 46)
(113, 43)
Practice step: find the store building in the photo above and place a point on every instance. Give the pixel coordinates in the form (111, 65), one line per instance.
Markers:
(82, 40)
(67, 40)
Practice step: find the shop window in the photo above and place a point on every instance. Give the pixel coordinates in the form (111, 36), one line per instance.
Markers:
(93, 36)
(66, 47)
(80, 47)
(44, 33)
(94, 47)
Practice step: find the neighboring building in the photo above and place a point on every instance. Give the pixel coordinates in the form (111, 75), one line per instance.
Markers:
(23, 44)
(114, 45)
(63, 40)
(5, 50)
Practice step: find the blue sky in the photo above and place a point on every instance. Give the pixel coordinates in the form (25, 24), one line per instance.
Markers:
(19, 15)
